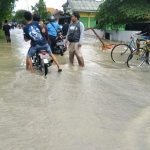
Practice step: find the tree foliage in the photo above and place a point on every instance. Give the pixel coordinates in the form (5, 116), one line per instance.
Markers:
(6, 8)
(40, 8)
(115, 13)
(19, 17)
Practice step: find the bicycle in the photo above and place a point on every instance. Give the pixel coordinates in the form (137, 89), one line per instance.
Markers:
(121, 52)
(141, 58)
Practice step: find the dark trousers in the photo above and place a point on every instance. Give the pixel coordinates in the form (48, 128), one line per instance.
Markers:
(8, 37)
(52, 42)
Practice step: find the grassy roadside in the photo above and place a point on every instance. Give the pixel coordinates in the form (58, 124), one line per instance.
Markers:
(2, 36)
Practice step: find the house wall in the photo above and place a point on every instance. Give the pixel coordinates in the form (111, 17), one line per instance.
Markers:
(87, 19)
(121, 36)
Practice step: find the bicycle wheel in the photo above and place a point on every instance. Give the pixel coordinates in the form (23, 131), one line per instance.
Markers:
(120, 53)
(137, 60)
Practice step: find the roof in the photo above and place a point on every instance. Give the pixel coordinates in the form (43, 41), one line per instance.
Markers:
(84, 5)
(52, 10)
(57, 12)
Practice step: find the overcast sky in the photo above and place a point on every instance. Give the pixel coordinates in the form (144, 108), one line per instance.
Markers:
(23, 4)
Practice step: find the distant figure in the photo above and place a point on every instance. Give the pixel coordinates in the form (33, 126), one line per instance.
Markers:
(65, 27)
(12, 26)
(6, 29)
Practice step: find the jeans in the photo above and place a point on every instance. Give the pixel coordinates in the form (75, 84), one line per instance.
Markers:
(33, 49)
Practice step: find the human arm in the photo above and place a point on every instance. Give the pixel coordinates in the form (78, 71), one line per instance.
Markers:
(81, 34)
(41, 27)
(26, 37)
(66, 39)
(59, 27)
(27, 40)
(46, 32)
(43, 30)
(9, 27)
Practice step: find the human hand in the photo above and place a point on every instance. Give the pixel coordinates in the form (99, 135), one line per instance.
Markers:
(79, 45)
(66, 43)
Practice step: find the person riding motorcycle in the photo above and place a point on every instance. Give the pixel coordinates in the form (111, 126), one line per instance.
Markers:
(53, 28)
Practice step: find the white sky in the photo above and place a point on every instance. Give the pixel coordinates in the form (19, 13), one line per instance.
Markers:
(23, 4)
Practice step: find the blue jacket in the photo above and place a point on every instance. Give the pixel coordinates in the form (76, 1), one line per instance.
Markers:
(52, 30)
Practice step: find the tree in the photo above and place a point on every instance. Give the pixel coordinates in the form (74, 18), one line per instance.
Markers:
(40, 8)
(115, 13)
(6, 8)
(19, 16)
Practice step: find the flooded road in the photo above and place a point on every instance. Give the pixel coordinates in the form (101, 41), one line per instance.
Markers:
(104, 106)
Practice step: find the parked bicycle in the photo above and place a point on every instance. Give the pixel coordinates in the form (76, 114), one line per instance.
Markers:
(121, 52)
(137, 60)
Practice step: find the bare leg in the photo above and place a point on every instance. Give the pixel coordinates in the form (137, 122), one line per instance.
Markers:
(30, 64)
(79, 55)
(7, 38)
(71, 53)
(27, 64)
(55, 60)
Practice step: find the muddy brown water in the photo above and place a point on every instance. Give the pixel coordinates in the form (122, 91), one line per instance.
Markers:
(103, 106)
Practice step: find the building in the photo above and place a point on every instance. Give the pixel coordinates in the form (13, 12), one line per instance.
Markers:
(86, 8)
(51, 10)
(55, 12)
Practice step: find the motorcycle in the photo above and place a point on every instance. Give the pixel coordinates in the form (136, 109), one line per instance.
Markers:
(60, 48)
(41, 60)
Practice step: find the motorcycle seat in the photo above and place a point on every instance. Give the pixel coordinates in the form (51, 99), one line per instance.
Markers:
(43, 49)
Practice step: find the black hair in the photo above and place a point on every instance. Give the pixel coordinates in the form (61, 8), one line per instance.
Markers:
(66, 20)
(76, 14)
(6, 21)
(36, 17)
(27, 15)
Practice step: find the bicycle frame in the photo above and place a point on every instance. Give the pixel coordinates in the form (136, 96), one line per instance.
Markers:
(131, 45)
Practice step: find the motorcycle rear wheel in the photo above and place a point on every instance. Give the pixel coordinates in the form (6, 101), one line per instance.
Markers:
(45, 69)
(61, 52)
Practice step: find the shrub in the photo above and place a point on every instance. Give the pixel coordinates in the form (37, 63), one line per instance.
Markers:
(2, 36)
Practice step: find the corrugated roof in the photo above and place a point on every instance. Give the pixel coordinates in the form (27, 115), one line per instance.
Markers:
(84, 5)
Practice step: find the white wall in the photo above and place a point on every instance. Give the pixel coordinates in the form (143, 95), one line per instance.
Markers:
(99, 32)
(123, 36)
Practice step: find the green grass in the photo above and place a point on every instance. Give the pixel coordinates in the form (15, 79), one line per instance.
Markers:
(2, 36)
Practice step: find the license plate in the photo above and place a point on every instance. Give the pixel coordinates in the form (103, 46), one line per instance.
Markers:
(45, 61)
(60, 43)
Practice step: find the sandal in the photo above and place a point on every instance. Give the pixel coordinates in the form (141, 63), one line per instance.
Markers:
(59, 70)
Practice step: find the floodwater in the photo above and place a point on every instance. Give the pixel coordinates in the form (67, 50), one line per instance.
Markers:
(104, 106)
